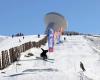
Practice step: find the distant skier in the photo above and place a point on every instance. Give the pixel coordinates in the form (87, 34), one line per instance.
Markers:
(82, 66)
(19, 40)
(43, 54)
(38, 35)
(12, 36)
(23, 37)
(64, 39)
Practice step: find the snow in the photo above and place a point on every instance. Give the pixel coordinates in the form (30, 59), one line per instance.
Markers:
(2, 38)
(66, 66)
(10, 42)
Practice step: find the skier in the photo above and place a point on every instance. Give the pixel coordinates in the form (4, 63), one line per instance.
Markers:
(38, 35)
(82, 66)
(12, 36)
(64, 39)
(19, 40)
(23, 37)
(43, 54)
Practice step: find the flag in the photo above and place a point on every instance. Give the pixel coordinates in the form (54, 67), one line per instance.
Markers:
(58, 39)
(51, 40)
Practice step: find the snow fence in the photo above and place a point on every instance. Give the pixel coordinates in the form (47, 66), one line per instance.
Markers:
(7, 57)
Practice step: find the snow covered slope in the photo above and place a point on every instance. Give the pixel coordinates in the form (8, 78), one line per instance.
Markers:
(65, 66)
(10, 42)
(3, 38)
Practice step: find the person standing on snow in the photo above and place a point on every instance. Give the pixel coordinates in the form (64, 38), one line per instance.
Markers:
(82, 66)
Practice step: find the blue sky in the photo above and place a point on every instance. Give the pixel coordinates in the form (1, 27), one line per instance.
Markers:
(27, 16)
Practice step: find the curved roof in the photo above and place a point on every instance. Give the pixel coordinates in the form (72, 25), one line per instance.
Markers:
(55, 20)
(55, 14)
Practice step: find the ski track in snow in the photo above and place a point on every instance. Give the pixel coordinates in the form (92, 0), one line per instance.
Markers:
(66, 66)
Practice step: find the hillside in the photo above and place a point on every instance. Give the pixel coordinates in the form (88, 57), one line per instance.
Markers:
(66, 63)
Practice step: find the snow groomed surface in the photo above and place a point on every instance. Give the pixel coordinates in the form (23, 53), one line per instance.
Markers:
(66, 66)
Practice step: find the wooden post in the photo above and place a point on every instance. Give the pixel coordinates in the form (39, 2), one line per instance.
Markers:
(0, 62)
